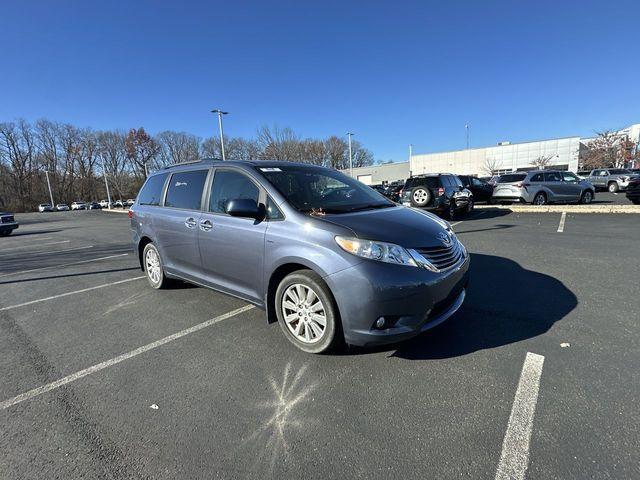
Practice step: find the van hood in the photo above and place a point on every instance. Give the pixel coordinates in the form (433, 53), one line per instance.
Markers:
(407, 227)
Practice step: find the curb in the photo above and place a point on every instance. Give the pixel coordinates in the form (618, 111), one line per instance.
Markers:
(564, 208)
(116, 210)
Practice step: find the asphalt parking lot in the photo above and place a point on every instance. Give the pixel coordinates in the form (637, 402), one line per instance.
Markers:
(103, 377)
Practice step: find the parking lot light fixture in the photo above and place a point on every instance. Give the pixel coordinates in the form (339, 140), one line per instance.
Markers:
(220, 113)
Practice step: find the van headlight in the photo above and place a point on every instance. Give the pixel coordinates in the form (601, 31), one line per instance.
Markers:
(380, 251)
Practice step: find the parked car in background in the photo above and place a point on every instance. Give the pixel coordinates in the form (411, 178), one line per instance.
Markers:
(482, 190)
(541, 187)
(583, 174)
(45, 207)
(62, 207)
(328, 258)
(379, 188)
(118, 204)
(440, 192)
(129, 202)
(393, 190)
(633, 191)
(493, 180)
(612, 179)
(7, 223)
(94, 206)
(78, 205)
(104, 203)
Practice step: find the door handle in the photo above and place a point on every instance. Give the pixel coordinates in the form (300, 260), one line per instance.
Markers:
(190, 222)
(206, 225)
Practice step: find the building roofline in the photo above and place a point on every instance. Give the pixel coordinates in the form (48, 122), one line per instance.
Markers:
(494, 146)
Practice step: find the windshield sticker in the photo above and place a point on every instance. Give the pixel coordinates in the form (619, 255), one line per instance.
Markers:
(270, 169)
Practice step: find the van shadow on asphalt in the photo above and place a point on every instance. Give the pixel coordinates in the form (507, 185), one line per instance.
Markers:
(505, 303)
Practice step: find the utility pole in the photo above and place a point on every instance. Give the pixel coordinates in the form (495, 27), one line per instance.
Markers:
(53, 205)
(106, 184)
(349, 134)
(467, 129)
(410, 153)
(220, 113)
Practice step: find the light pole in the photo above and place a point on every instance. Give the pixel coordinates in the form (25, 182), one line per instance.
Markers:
(410, 153)
(220, 113)
(466, 127)
(349, 134)
(46, 172)
(106, 184)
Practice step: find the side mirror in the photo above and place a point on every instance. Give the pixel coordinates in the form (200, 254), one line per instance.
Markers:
(245, 208)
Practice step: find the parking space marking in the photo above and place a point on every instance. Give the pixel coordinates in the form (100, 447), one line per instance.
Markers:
(63, 265)
(474, 217)
(563, 218)
(34, 245)
(53, 297)
(120, 358)
(16, 237)
(514, 459)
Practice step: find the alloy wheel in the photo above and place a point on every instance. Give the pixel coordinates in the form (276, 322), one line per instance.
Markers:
(152, 265)
(304, 313)
(420, 196)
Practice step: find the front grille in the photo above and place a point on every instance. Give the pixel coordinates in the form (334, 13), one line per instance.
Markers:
(442, 257)
(6, 219)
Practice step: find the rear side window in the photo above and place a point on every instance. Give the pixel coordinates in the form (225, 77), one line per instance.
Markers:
(455, 181)
(538, 177)
(552, 177)
(151, 193)
(512, 178)
(230, 185)
(185, 189)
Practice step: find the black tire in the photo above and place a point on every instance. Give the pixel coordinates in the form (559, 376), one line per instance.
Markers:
(451, 211)
(470, 206)
(420, 197)
(587, 197)
(161, 281)
(635, 202)
(540, 199)
(613, 187)
(332, 334)
(5, 233)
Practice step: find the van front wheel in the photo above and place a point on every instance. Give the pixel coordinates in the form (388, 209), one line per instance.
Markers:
(306, 312)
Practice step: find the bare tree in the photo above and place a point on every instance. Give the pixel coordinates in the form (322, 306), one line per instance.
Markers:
(542, 162)
(176, 147)
(608, 149)
(491, 166)
(278, 144)
(141, 150)
(17, 152)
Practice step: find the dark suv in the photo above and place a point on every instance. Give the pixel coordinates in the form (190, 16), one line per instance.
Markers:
(440, 192)
(481, 189)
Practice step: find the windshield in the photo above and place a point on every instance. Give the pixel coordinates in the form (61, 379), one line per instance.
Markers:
(618, 171)
(319, 189)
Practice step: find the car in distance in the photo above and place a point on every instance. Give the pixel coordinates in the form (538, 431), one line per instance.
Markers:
(118, 203)
(94, 206)
(481, 189)
(7, 223)
(540, 187)
(104, 203)
(633, 191)
(327, 257)
(129, 202)
(45, 207)
(439, 192)
(393, 191)
(78, 206)
(612, 179)
(62, 207)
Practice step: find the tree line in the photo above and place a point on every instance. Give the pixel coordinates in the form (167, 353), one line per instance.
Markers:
(78, 159)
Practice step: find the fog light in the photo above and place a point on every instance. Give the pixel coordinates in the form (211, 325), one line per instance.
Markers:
(380, 322)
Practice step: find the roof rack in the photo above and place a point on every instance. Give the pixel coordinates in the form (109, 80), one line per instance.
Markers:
(192, 162)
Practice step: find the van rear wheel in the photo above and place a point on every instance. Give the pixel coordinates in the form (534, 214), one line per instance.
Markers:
(307, 313)
(153, 267)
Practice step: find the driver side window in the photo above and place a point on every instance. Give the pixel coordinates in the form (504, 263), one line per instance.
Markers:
(230, 185)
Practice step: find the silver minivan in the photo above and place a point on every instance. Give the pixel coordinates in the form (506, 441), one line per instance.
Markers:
(540, 187)
(327, 257)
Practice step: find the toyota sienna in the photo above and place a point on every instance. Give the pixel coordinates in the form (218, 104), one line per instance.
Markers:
(327, 257)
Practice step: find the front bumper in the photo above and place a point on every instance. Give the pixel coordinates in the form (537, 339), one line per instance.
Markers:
(10, 226)
(410, 299)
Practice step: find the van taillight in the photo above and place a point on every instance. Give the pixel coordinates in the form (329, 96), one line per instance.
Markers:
(130, 213)
(440, 191)
(519, 184)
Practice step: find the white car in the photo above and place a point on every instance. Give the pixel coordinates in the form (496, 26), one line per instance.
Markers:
(62, 207)
(104, 203)
(78, 206)
(45, 207)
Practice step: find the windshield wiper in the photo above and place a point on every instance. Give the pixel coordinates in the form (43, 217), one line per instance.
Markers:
(370, 206)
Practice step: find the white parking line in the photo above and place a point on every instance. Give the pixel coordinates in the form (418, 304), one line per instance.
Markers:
(18, 239)
(475, 216)
(514, 459)
(34, 245)
(563, 217)
(53, 297)
(63, 265)
(120, 358)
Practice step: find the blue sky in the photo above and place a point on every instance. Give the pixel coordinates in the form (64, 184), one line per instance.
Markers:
(392, 72)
